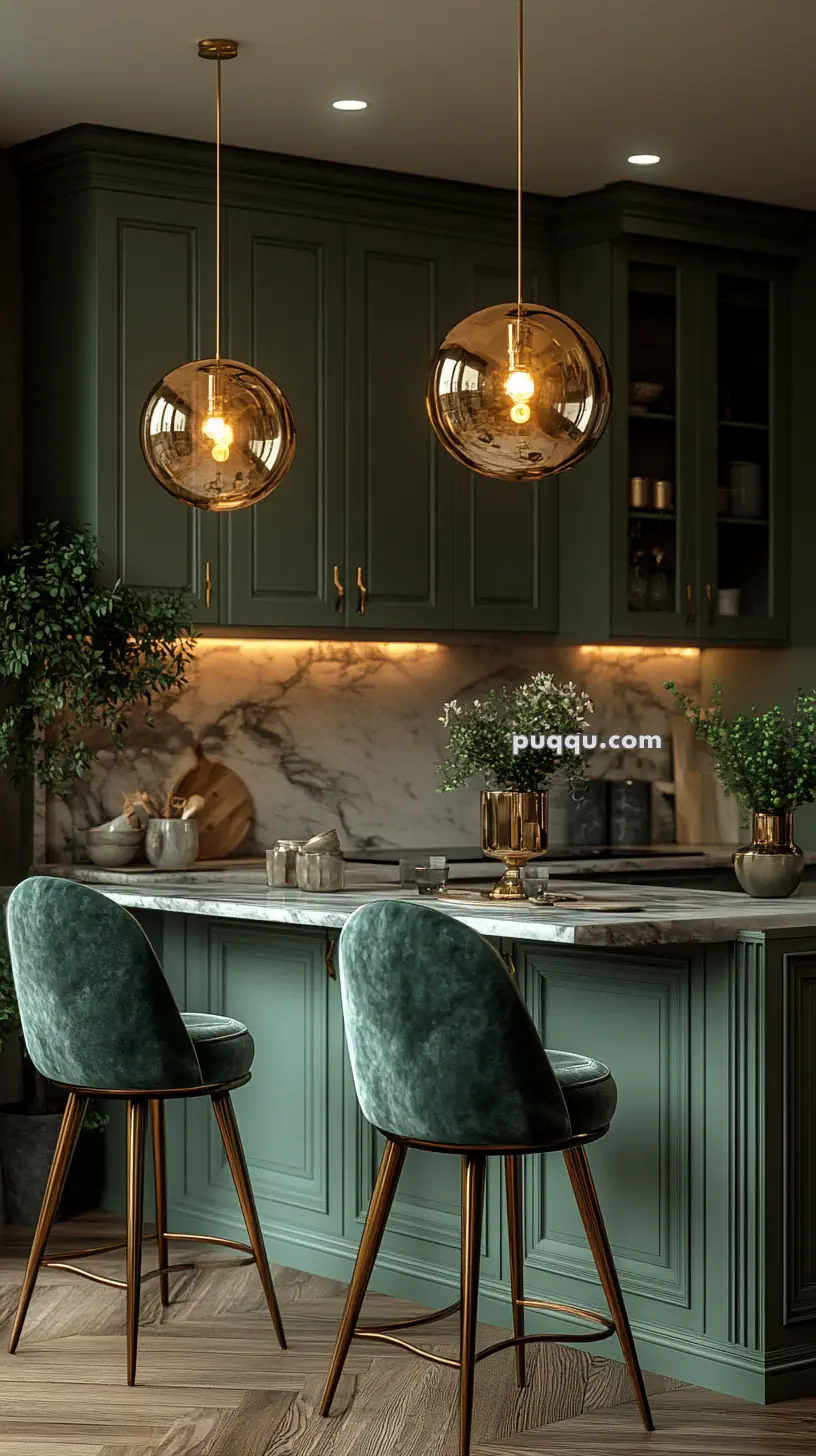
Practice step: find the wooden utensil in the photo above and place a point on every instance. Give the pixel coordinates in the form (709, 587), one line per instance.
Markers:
(226, 817)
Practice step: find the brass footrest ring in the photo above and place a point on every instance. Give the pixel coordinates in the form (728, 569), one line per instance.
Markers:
(71, 1268)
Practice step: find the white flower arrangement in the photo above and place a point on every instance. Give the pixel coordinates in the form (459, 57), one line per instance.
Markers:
(481, 735)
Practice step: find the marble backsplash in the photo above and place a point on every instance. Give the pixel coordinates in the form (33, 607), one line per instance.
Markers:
(348, 734)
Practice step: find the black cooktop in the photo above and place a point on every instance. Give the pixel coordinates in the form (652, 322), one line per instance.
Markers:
(472, 854)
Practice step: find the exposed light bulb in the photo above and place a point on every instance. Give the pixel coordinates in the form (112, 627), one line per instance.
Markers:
(220, 453)
(520, 413)
(520, 384)
(216, 428)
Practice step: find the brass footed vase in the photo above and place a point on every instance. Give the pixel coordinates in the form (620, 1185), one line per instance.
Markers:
(771, 866)
(514, 830)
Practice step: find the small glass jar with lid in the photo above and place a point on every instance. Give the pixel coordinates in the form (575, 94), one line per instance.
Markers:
(281, 864)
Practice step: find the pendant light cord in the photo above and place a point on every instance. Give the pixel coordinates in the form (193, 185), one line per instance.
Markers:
(218, 208)
(520, 147)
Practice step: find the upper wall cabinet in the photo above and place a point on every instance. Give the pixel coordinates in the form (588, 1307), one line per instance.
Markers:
(284, 281)
(339, 283)
(400, 300)
(505, 535)
(119, 290)
(676, 528)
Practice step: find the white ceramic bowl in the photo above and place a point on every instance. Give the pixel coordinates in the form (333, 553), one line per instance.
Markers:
(111, 856)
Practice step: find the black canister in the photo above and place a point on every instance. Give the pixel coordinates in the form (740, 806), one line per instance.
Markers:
(588, 815)
(630, 804)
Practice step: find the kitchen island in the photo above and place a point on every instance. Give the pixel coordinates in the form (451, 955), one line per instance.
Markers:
(704, 1006)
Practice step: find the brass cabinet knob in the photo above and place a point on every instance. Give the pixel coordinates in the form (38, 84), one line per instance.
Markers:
(207, 585)
(330, 966)
(690, 605)
(363, 592)
(340, 589)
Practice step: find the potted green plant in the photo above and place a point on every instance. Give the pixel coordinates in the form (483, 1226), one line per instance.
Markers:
(517, 739)
(29, 1130)
(78, 657)
(768, 762)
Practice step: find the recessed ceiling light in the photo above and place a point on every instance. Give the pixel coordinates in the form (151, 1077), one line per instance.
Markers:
(349, 105)
(643, 159)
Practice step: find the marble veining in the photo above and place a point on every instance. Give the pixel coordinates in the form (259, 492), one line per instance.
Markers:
(348, 734)
(667, 916)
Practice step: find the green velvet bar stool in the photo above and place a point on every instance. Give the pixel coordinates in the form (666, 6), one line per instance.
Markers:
(99, 1019)
(445, 1057)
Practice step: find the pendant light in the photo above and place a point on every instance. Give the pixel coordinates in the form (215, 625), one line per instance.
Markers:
(216, 433)
(518, 391)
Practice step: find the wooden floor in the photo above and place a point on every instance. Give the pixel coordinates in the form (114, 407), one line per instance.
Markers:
(212, 1381)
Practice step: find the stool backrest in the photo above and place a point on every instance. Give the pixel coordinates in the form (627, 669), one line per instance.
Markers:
(442, 1047)
(95, 1007)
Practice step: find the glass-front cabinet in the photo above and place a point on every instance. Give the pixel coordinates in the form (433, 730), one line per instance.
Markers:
(700, 457)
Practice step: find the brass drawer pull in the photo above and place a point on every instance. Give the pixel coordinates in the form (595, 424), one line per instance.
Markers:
(330, 966)
(340, 589)
(690, 604)
(207, 586)
(710, 601)
(363, 590)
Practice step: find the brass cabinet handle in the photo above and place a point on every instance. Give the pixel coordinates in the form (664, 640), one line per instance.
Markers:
(710, 601)
(363, 590)
(330, 966)
(690, 604)
(207, 585)
(340, 589)
(511, 965)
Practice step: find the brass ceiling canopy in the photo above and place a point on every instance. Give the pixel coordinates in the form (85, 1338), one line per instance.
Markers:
(518, 391)
(216, 433)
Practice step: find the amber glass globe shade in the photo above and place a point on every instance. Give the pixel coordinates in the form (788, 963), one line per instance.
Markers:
(218, 434)
(519, 397)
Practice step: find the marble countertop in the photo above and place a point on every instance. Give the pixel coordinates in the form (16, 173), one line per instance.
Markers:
(705, 857)
(664, 916)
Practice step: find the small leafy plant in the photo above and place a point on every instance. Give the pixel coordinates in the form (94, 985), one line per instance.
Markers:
(766, 760)
(481, 735)
(77, 657)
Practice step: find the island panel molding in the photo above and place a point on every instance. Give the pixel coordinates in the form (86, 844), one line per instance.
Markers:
(799, 972)
(641, 1017)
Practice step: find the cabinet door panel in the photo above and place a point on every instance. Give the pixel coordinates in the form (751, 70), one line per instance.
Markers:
(285, 317)
(744, 448)
(505, 535)
(154, 282)
(398, 477)
(656, 575)
(289, 1114)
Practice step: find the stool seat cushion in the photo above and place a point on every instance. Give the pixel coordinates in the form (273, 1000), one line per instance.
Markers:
(589, 1090)
(223, 1046)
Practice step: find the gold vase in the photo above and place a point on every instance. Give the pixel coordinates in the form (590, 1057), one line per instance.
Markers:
(514, 830)
(771, 866)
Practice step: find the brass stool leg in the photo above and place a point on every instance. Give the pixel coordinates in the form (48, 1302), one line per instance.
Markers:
(586, 1196)
(473, 1181)
(72, 1120)
(160, 1174)
(378, 1210)
(514, 1186)
(228, 1127)
(136, 1118)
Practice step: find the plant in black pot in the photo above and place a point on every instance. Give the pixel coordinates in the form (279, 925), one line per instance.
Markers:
(29, 1131)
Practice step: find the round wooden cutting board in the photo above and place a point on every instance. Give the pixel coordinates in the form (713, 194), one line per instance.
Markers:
(226, 819)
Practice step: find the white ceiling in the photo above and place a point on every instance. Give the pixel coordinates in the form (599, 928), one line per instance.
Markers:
(724, 90)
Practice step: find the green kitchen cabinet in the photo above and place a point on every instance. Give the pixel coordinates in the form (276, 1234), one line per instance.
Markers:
(284, 280)
(119, 289)
(400, 300)
(698, 342)
(505, 535)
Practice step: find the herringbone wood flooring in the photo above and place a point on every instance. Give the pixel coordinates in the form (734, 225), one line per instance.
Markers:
(212, 1381)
